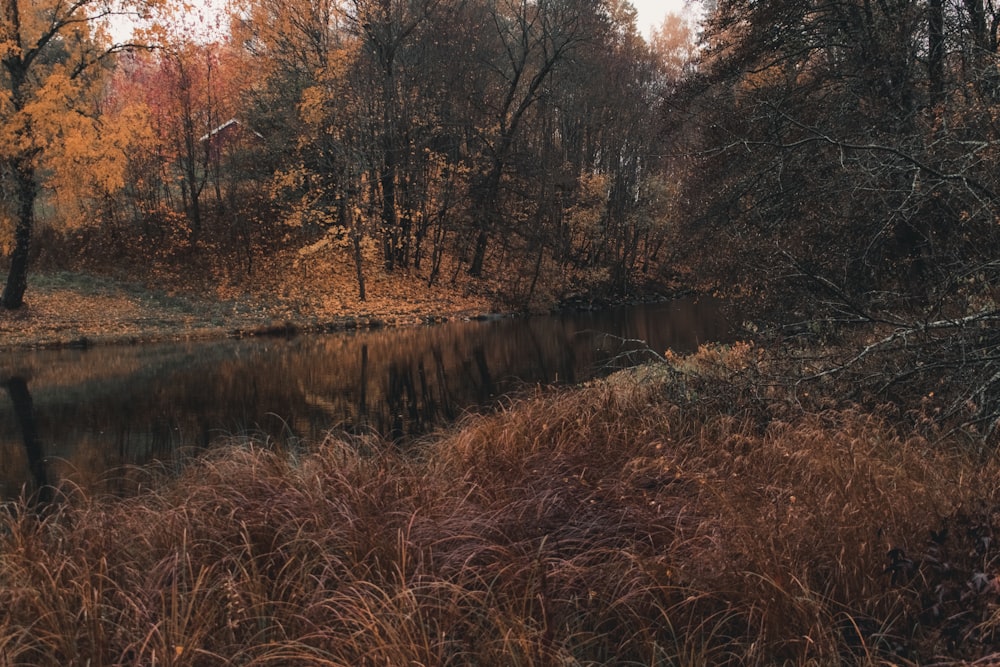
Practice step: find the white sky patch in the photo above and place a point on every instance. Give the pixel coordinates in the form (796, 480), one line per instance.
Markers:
(205, 14)
(204, 21)
(652, 12)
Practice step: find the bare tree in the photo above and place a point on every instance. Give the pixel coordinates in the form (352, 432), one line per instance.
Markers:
(843, 149)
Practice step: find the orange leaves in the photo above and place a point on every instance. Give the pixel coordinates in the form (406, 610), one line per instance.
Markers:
(290, 35)
(49, 109)
(93, 160)
(80, 156)
(312, 106)
(585, 216)
(8, 48)
(36, 125)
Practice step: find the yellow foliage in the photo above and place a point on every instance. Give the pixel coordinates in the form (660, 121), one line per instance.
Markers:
(52, 118)
(6, 234)
(90, 159)
(291, 31)
(8, 48)
(675, 45)
(715, 360)
(312, 106)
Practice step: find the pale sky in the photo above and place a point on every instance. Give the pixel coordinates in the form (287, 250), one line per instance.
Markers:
(651, 12)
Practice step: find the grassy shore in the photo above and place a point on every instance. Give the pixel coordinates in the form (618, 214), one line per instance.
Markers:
(661, 517)
(66, 308)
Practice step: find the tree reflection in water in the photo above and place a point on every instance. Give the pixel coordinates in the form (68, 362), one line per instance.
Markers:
(24, 413)
(101, 409)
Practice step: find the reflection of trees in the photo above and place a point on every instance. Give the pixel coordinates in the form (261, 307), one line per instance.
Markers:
(20, 397)
(363, 391)
(399, 383)
(401, 400)
(486, 388)
(448, 410)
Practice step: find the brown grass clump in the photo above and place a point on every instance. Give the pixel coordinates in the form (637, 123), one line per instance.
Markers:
(600, 525)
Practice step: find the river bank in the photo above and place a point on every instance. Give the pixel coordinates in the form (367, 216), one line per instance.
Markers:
(687, 512)
(72, 309)
(78, 309)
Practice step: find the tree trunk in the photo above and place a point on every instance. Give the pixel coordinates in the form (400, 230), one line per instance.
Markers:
(485, 210)
(356, 242)
(479, 255)
(358, 268)
(390, 229)
(23, 166)
(935, 49)
(17, 276)
(195, 215)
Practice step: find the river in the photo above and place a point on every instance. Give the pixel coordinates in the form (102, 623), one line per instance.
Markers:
(96, 416)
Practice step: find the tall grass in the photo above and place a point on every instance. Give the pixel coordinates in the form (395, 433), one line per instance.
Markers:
(605, 525)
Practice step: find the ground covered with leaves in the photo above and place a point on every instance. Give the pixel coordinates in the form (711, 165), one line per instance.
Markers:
(85, 308)
(667, 515)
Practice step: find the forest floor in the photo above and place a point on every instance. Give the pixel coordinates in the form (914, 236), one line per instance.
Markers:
(70, 308)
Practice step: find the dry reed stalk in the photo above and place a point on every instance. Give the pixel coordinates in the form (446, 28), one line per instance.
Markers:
(600, 525)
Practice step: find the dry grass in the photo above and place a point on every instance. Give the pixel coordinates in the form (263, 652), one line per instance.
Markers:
(602, 525)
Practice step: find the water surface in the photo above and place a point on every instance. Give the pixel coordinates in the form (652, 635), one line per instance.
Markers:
(83, 415)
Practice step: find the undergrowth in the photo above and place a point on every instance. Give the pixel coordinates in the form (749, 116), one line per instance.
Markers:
(628, 522)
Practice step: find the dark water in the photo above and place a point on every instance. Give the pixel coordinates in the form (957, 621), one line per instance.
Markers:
(87, 415)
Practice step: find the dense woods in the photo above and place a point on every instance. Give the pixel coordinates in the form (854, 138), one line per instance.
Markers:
(509, 141)
(823, 491)
(847, 151)
(831, 166)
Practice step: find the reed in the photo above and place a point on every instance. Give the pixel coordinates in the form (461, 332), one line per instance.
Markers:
(613, 524)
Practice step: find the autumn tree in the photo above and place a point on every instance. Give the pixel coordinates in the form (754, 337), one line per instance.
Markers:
(524, 44)
(148, 192)
(309, 95)
(633, 81)
(338, 175)
(386, 27)
(472, 126)
(289, 45)
(193, 91)
(847, 151)
(90, 168)
(188, 186)
(674, 45)
(50, 51)
(187, 75)
(583, 162)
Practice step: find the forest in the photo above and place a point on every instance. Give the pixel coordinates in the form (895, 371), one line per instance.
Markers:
(482, 138)
(829, 167)
(822, 492)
